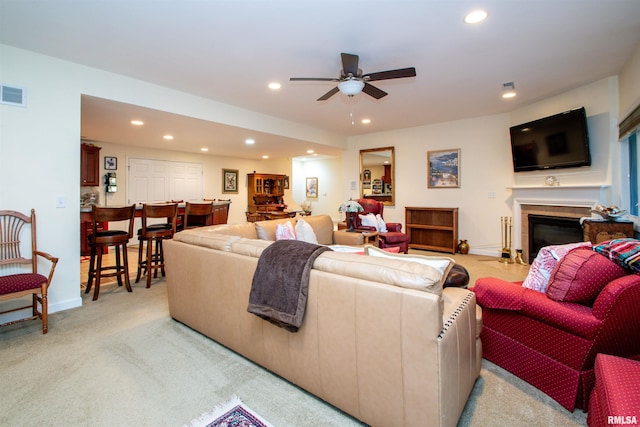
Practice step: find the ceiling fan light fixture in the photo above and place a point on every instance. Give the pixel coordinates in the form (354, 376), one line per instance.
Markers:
(351, 87)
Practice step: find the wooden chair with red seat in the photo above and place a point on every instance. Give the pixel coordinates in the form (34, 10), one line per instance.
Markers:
(19, 275)
(153, 235)
(99, 239)
(393, 238)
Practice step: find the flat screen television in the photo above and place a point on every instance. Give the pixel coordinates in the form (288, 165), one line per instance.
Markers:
(558, 141)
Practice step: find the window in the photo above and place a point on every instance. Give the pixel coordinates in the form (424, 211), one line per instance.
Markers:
(629, 172)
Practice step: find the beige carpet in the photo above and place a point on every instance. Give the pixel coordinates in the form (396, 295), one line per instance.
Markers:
(123, 361)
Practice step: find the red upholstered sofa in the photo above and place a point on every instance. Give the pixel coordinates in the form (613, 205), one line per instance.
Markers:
(616, 396)
(552, 343)
(394, 237)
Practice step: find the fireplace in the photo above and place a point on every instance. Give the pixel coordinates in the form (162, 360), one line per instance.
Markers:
(545, 230)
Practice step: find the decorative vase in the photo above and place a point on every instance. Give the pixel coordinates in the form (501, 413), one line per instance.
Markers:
(463, 247)
(351, 220)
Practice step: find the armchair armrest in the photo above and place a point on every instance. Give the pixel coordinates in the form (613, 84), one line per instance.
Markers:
(394, 226)
(492, 293)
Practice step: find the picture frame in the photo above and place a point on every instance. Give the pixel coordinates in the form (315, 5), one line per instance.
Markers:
(286, 182)
(443, 168)
(110, 163)
(312, 188)
(230, 181)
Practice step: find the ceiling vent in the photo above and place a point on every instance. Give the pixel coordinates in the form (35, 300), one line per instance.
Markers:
(13, 95)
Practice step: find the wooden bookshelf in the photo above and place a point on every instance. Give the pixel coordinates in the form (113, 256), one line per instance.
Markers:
(433, 229)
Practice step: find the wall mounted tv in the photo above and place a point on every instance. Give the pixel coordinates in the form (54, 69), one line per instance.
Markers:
(558, 141)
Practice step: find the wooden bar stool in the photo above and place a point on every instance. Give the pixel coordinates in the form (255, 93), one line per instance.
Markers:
(198, 214)
(100, 239)
(154, 234)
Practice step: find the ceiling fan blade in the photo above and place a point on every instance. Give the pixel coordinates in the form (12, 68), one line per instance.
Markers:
(329, 94)
(391, 74)
(313, 79)
(350, 64)
(373, 91)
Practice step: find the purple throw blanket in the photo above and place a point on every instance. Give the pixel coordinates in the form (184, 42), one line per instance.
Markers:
(281, 282)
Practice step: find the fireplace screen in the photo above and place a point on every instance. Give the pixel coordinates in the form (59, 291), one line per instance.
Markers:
(552, 230)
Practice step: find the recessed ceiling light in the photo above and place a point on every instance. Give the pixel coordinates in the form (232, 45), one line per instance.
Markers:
(168, 137)
(274, 86)
(309, 151)
(508, 90)
(265, 157)
(137, 122)
(366, 121)
(205, 149)
(249, 141)
(475, 17)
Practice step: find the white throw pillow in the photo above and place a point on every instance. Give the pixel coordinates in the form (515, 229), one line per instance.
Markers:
(305, 232)
(442, 264)
(382, 226)
(285, 231)
(369, 220)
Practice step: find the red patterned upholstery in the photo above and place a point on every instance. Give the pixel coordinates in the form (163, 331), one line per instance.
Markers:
(21, 282)
(394, 237)
(553, 345)
(616, 393)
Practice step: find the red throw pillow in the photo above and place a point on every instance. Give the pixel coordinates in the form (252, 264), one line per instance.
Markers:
(581, 275)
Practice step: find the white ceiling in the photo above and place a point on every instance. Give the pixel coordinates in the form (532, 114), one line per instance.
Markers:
(229, 51)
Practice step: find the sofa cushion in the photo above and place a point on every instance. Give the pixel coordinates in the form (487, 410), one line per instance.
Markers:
(322, 227)
(545, 262)
(305, 233)
(266, 230)
(624, 252)
(207, 237)
(442, 264)
(580, 276)
(397, 272)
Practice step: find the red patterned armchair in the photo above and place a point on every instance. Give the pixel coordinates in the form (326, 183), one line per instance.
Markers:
(550, 340)
(394, 237)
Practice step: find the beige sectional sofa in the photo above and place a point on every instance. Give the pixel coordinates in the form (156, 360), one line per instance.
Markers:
(380, 339)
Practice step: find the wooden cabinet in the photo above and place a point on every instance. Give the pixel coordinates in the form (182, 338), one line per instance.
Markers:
(434, 229)
(89, 165)
(85, 230)
(599, 231)
(265, 192)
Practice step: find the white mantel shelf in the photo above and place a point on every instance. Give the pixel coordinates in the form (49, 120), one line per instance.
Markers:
(558, 187)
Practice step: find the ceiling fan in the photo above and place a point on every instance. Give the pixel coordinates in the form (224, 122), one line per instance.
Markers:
(352, 81)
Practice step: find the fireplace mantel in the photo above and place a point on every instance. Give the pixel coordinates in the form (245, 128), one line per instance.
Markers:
(581, 196)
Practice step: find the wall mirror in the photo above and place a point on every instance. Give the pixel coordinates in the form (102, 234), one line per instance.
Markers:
(377, 174)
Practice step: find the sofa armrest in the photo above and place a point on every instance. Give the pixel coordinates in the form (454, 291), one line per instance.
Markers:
(499, 294)
(343, 237)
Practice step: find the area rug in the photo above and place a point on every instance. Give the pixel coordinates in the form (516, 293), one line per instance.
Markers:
(232, 413)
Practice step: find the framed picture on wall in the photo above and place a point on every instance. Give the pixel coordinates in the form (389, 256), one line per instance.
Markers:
(443, 168)
(312, 188)
(286, 182)
(230, 181)
(110, 163)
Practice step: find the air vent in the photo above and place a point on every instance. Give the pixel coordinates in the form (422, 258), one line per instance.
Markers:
(13, 95)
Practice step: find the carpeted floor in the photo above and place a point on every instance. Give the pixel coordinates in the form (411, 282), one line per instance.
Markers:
(123, 361)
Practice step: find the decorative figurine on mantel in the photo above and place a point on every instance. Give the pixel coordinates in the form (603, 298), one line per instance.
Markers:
(351, 209)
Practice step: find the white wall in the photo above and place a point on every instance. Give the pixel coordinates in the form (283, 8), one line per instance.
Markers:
(329, 182)
(630, 84)
(40, 156)
(485, 162)
(212, 174)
